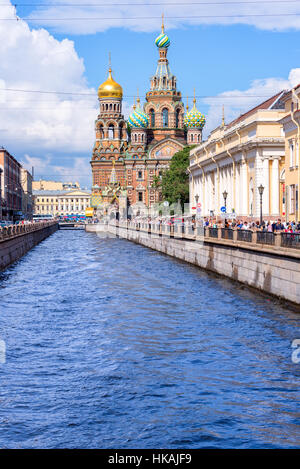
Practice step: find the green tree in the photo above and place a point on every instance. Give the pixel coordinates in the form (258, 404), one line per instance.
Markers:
(174, 182)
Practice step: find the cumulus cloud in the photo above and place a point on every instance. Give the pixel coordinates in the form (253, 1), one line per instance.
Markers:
(89, 17)
(237, 102)
(32, 59)
(73, 168)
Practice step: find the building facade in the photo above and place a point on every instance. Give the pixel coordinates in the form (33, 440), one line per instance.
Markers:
(10, 185)
(44, 185)
(227, 169)
(127, 156)
(291, 174)
(61, 203)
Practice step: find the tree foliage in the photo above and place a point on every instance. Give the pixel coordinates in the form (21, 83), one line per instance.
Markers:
(174, 182)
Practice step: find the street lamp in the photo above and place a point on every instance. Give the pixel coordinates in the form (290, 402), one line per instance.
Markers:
(225, 194)
(261, 191)
(197, 198)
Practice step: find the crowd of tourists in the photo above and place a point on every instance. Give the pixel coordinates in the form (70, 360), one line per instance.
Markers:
(267, 226)
(270, 226)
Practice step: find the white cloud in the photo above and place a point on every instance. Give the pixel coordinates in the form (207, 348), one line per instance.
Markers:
(32, 59)
(89, 19)
(237, 102)
(46, 167)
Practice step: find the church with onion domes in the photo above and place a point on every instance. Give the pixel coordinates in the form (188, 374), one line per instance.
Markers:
(127, 155)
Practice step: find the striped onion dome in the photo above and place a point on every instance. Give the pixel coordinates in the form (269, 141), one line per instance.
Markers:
(138, 118)
(194, 118)
(162, 40)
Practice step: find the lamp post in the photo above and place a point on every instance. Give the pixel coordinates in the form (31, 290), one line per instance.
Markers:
(261, 191)
(225, 194)
(196, 198)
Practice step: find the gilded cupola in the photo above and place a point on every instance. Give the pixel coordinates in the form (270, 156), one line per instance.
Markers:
(110, 88)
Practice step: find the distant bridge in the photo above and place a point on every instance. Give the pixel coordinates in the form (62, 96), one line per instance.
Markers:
(70, 226)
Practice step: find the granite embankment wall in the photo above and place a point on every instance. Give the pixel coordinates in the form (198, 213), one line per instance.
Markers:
(17, 240)
(268, 269)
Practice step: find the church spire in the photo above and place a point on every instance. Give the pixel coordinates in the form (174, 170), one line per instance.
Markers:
(223, 116)
(163, 78)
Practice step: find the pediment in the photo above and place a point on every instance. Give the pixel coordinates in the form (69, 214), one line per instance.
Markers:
(165, 149)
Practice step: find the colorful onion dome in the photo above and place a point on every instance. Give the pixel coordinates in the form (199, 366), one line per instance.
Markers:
(162, 40)
(194, 118)
(110, 88)
(138, 118)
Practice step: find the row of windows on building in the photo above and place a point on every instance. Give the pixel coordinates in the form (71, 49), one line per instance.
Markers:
(293, 199)
(51, 208)
(165, 117)
(118, 133)
(110, 107)
(42, 200)
(294, 151)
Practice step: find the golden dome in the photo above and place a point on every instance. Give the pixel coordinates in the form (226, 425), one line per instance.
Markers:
(110, 88)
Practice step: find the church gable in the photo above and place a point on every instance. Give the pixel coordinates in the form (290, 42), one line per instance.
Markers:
(165, 149)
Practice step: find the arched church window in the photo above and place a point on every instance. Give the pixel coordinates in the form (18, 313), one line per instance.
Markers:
(106, 107)
(152, 118)
(192, 137)
(101, 131)
(165, 115)
(121, 131)
(177, 118)
(111, 132)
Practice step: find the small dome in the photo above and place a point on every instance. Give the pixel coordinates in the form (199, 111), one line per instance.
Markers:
(162, 41)
(138, 118)
(194, 118)
(110, 88)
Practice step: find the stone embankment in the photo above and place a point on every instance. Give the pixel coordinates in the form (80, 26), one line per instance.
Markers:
(16, 240)
(266, 261)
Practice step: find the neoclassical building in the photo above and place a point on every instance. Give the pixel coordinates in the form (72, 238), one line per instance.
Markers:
(291, 174)
(239, 157)
(61, 202)
(128, 155)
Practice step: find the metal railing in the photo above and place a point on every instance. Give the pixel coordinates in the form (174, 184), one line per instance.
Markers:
(227, 233)
(244, 235)
(265, 237)
(290, 240)
(11, 231)
(213, 232)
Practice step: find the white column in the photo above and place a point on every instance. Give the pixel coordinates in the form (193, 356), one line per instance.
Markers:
(237, 189)
(244, 189)
(265, 183)
(275, 187)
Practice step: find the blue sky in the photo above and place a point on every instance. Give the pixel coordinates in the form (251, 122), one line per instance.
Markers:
(54, 132)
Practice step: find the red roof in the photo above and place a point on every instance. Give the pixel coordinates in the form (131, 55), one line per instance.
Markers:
(265, 105)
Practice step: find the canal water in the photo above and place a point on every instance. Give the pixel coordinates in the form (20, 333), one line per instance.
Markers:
(112, 345)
